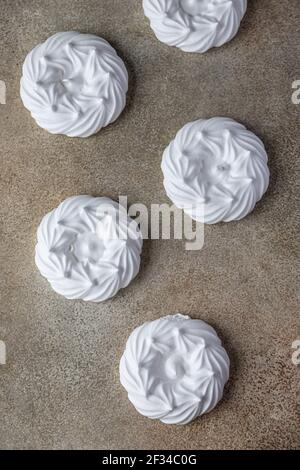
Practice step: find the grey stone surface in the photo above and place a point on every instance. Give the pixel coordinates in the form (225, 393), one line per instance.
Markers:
(60, 387)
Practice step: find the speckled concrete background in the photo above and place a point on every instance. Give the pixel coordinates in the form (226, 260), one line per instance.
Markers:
(60, 387)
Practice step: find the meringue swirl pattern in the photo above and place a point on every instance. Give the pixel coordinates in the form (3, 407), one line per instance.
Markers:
(215, 170)
(174, 369)
(195, 25)
(88, 248)
(74, 84)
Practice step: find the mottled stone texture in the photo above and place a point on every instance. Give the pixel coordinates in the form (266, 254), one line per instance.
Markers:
(60, 387)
